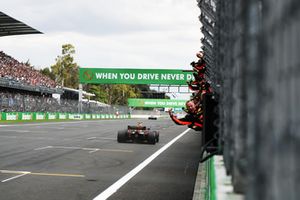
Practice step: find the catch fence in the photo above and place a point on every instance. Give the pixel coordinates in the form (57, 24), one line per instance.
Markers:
(252, 54)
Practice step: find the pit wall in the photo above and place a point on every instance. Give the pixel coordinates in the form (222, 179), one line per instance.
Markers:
(218, 183)
(36, 116)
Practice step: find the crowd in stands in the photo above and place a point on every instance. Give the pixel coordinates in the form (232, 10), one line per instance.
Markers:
(25, 101)
(14, 70)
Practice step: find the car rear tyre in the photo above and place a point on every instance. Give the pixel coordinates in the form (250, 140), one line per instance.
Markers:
(157, 136)
(152, 138)
(122, 136)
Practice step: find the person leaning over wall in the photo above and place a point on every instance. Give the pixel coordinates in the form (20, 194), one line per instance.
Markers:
(193, 117)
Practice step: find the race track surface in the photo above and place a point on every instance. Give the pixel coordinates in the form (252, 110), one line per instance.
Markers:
(82, 160)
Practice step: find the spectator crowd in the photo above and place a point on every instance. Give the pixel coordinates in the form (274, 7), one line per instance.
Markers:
(14, 70)
(25, 101)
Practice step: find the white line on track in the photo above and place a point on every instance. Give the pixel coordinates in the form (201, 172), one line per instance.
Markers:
(14, 177)
(54, 123)
(117, 185)
(91, 138)
(23, 173)
(13, 172)
(18, 131)
(41, 148)
(90, 150)
(93, 151)
(101, 138)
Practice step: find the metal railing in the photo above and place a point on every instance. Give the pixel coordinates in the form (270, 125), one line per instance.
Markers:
(17, 102)
(14, 84)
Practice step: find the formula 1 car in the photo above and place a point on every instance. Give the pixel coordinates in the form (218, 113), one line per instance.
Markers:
(138, 133)
(152, 117)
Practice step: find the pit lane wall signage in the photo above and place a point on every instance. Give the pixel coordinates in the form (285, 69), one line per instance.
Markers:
(156, 103)
(134, 76)
(36, 116)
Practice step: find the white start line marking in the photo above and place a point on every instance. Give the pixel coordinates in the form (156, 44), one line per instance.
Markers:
(117, 185)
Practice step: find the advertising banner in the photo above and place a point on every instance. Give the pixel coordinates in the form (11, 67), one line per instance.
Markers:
(51, 116)
(39, 116)
(156, 103)
(76, 116)
(62, 116)
(134, 76)
(87, 116)
(10, 116)
(26, 116)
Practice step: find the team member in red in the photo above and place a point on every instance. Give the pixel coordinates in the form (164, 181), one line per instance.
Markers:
(193, 118)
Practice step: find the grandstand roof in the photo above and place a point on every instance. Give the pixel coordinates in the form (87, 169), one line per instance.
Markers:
(11, 26)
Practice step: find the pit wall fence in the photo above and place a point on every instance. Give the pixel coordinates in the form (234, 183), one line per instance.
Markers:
(252, 54)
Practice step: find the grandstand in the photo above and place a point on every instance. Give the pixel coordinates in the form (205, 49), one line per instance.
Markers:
(22, 74)
(25, 89)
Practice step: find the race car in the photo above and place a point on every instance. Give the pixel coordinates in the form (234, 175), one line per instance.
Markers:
(152, 117)
(138, 133)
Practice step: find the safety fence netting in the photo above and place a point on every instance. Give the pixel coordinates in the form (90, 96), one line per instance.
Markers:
(28, 102)
(252, 57)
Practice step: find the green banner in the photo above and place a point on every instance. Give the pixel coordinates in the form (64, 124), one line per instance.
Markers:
(134, 76)
(62, 116)
(26, 116)
(51, 116)
(39, 116)
(156, 103)
(9, 116)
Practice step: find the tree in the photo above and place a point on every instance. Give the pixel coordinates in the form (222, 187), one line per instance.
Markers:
(47, 72)
(112, 94)
(65, 69)
(98, 90)
(120, 94)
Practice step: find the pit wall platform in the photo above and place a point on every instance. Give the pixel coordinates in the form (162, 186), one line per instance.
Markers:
(212, 182)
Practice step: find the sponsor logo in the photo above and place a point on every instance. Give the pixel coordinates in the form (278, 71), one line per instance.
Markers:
(88, 75)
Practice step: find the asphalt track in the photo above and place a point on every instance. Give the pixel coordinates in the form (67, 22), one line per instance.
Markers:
(83, 160)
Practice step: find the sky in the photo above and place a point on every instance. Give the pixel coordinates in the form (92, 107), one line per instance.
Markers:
(154, 34)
